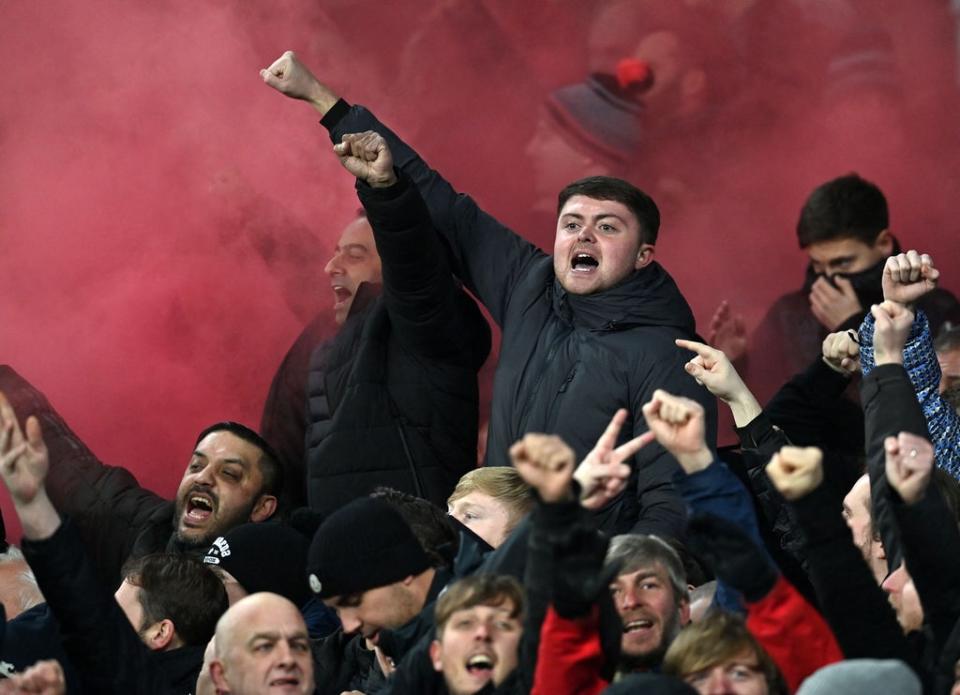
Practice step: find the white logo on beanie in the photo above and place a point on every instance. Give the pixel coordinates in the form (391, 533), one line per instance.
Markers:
(222, 550)
(315, 585)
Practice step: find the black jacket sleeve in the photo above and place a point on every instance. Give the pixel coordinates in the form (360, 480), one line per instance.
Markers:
(890, 406)
(849, 597)
(97, 636)
(931, 549)
(428, 311)
(106, 503)
(488, 256)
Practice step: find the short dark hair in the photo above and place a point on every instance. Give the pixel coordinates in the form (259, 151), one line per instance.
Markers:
(948, 338)
(847, 207)
(181, 589)
(430, 525)
(478, 590)
(269, 463)
(609, 188)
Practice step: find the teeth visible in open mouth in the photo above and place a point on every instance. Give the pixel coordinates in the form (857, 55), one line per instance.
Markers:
(479, 662)
(637, 625)
(342, 293)
(584, 261)
(201, 502)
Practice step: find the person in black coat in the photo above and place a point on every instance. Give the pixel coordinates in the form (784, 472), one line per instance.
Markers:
(585, 331)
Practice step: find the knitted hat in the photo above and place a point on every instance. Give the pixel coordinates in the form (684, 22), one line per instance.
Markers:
(264, 557)
(363, 545)
(603, 113)
(862, 677)
(649, 684)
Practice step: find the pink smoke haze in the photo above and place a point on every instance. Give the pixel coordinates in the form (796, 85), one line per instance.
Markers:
(147, 173)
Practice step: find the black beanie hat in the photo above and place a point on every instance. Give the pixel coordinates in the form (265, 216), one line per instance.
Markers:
(264, 557)
(363, 545)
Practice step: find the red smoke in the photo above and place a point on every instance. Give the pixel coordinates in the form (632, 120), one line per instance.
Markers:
(147, 171)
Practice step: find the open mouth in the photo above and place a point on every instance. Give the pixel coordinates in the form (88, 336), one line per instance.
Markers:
(285, 682)
(638, 625)
(199, 508)
(584, 263)
(480, 665)
(341, 294)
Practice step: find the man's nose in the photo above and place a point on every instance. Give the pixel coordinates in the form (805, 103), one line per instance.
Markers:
(333, 266)
(716, 683)
(351, 623)
(586, 234)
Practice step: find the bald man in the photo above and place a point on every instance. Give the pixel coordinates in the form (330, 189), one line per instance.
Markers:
(262, 647)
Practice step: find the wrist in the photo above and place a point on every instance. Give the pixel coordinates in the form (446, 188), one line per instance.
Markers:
(744, 410)
(693, 462)
(883, 358)
(384, 181)
(38, 517)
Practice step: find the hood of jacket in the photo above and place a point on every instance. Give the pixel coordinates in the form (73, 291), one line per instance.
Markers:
(648, 297)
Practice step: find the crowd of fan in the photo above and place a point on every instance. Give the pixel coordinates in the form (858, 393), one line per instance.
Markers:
(812, 558)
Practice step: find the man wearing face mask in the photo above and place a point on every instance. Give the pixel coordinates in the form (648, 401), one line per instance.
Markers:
(844, 228)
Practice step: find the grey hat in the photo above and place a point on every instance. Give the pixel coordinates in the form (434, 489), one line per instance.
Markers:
(863, 677)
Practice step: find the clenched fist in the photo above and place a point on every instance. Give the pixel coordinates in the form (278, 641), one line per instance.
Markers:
(796, 471)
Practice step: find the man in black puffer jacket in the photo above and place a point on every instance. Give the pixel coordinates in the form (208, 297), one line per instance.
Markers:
(586, 331)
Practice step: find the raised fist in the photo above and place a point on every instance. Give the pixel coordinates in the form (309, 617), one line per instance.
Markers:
(892, 322)
(796, 471)
(841, 352)
(678, 425)
(291, 77)
(545, 463)
(909, 464)
(908, 276)
(367, 156)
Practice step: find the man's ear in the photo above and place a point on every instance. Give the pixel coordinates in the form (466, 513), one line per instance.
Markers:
(684, 609)
(264, 508)
(644, 256)
(435, 656)
(884, 242)
(161, 636)
(218, 676)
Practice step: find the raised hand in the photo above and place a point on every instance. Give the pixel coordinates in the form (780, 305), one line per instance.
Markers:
(909, 465)
(728, 332)
(23, 459)
(291, 77)
(833, 303)
(678, 424)
(367, 156)
(892, 322)
(908, 276)
(603, 473)
(796, 471)
(841, 352)
(545, 462)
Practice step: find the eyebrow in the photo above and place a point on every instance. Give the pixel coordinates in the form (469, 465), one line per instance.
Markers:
(232, 459)
(596, 218)
(839, 260)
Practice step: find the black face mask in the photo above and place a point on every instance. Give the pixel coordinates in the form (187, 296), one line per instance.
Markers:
(866, 283)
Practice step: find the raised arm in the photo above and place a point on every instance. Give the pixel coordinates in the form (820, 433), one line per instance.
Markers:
(428, 311)
(97, 636)
(489, 258)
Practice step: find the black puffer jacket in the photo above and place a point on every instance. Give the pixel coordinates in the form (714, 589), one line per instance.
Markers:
(567, 362)
(392, 400)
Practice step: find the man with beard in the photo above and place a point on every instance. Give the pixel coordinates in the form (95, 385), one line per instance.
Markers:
(232, 478)
(844, 228)
(651, 595)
